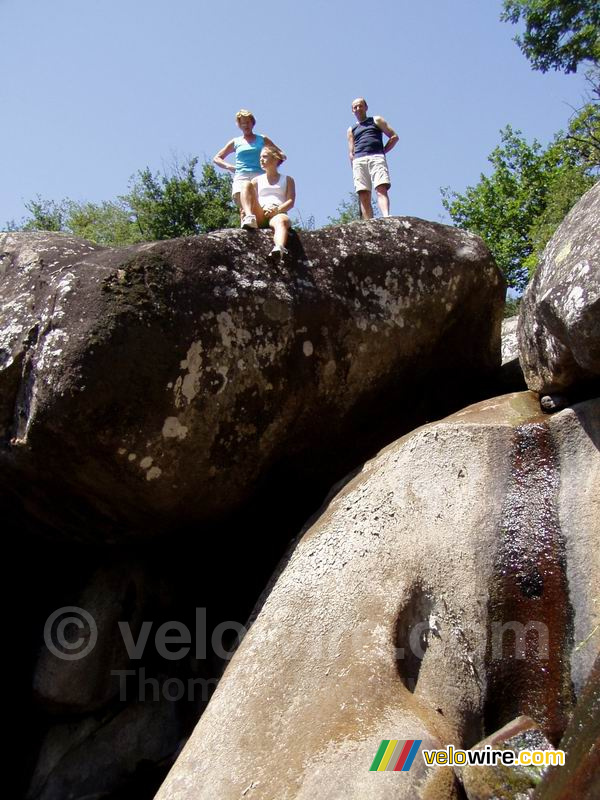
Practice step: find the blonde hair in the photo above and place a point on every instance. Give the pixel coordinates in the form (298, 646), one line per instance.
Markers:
(275, 152)
(243, 112)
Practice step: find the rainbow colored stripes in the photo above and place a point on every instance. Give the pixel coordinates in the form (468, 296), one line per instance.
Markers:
(395, 755)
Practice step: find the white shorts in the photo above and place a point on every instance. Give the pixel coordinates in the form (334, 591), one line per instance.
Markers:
(239, 180)
(369, 172)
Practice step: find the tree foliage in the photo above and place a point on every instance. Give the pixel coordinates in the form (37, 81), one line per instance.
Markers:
(517, 207)
(46, 215)
(349, 210)
(165, 206)
(158, 206)
(559, 34)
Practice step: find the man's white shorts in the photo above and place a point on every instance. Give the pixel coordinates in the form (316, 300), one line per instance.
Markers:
(369, 172)
(239, 180)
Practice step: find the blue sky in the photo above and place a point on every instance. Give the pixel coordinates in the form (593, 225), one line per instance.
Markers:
(94, 90)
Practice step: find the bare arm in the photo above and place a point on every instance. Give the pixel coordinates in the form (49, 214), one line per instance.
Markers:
(220, 157)
(350, 144)
(390, 132)
(271, 143)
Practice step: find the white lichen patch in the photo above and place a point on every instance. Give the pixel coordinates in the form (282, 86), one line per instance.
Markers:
(146, 462)
(575, 299)
(186, 387)
(231, 334)
(307, 348)
(50, 352)
(131, 457)
(563, 253)
(11, 332)
(153, 473)
(437, 271)
(121, 451)
(173, 429)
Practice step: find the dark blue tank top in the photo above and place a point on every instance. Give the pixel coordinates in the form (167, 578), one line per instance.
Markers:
(368, 138)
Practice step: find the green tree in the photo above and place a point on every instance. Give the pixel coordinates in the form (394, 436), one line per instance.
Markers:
(173, 204)
(157, 206)
(518, 206)
(582, 140)
(564, 189)
(559, 34)
(502, 207)
(349, 210)
(109, 223)
(46, 215)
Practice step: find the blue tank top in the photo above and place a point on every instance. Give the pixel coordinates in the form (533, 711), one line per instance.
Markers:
(247, 155)
(368, 138)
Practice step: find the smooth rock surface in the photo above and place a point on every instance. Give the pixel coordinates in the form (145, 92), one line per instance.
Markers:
(559, 318)
(434, 597)
(164, 381)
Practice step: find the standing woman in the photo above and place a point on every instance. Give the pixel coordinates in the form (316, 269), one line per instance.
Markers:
(247, 148)
(272, 196)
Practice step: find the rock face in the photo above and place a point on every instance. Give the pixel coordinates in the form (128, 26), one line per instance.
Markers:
(511, 374)
(88, 758)
(163, 381)
(559, 320)
(439, 594)
(580, 777)
(513, 782)
(78, 685)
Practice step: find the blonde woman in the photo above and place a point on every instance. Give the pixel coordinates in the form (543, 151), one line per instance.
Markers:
(272, 195)
(247, 148)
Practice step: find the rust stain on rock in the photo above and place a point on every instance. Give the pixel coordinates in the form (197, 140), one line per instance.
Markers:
(530, 616)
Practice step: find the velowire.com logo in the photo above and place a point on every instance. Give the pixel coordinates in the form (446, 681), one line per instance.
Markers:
(395, 755)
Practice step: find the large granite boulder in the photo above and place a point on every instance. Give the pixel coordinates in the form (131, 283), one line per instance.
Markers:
(580, 776)
(84, 644)
(160, 383)
(104, 755)
(514, 782)
(559, 319)
(511, 375)
(439, 594)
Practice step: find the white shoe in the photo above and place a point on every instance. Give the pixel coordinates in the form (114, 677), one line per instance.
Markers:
(249, 221)
(278, 253)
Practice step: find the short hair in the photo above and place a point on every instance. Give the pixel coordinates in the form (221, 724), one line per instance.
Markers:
(275, 152)
(243, 112)
(356, 99)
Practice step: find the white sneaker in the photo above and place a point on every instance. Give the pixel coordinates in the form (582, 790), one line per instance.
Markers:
(249, 221)
(278, 253)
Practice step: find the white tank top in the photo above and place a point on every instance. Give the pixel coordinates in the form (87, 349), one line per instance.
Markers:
(271, 194)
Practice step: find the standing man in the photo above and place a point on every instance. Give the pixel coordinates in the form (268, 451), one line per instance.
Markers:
(367, 156)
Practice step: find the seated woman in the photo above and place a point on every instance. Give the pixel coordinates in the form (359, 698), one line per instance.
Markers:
(247, 149)
(274, 194)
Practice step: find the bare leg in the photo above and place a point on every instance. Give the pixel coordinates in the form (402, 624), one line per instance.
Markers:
(364, 198)
(383, 201)
(236, 200)
(281, 226)
(248, 199)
